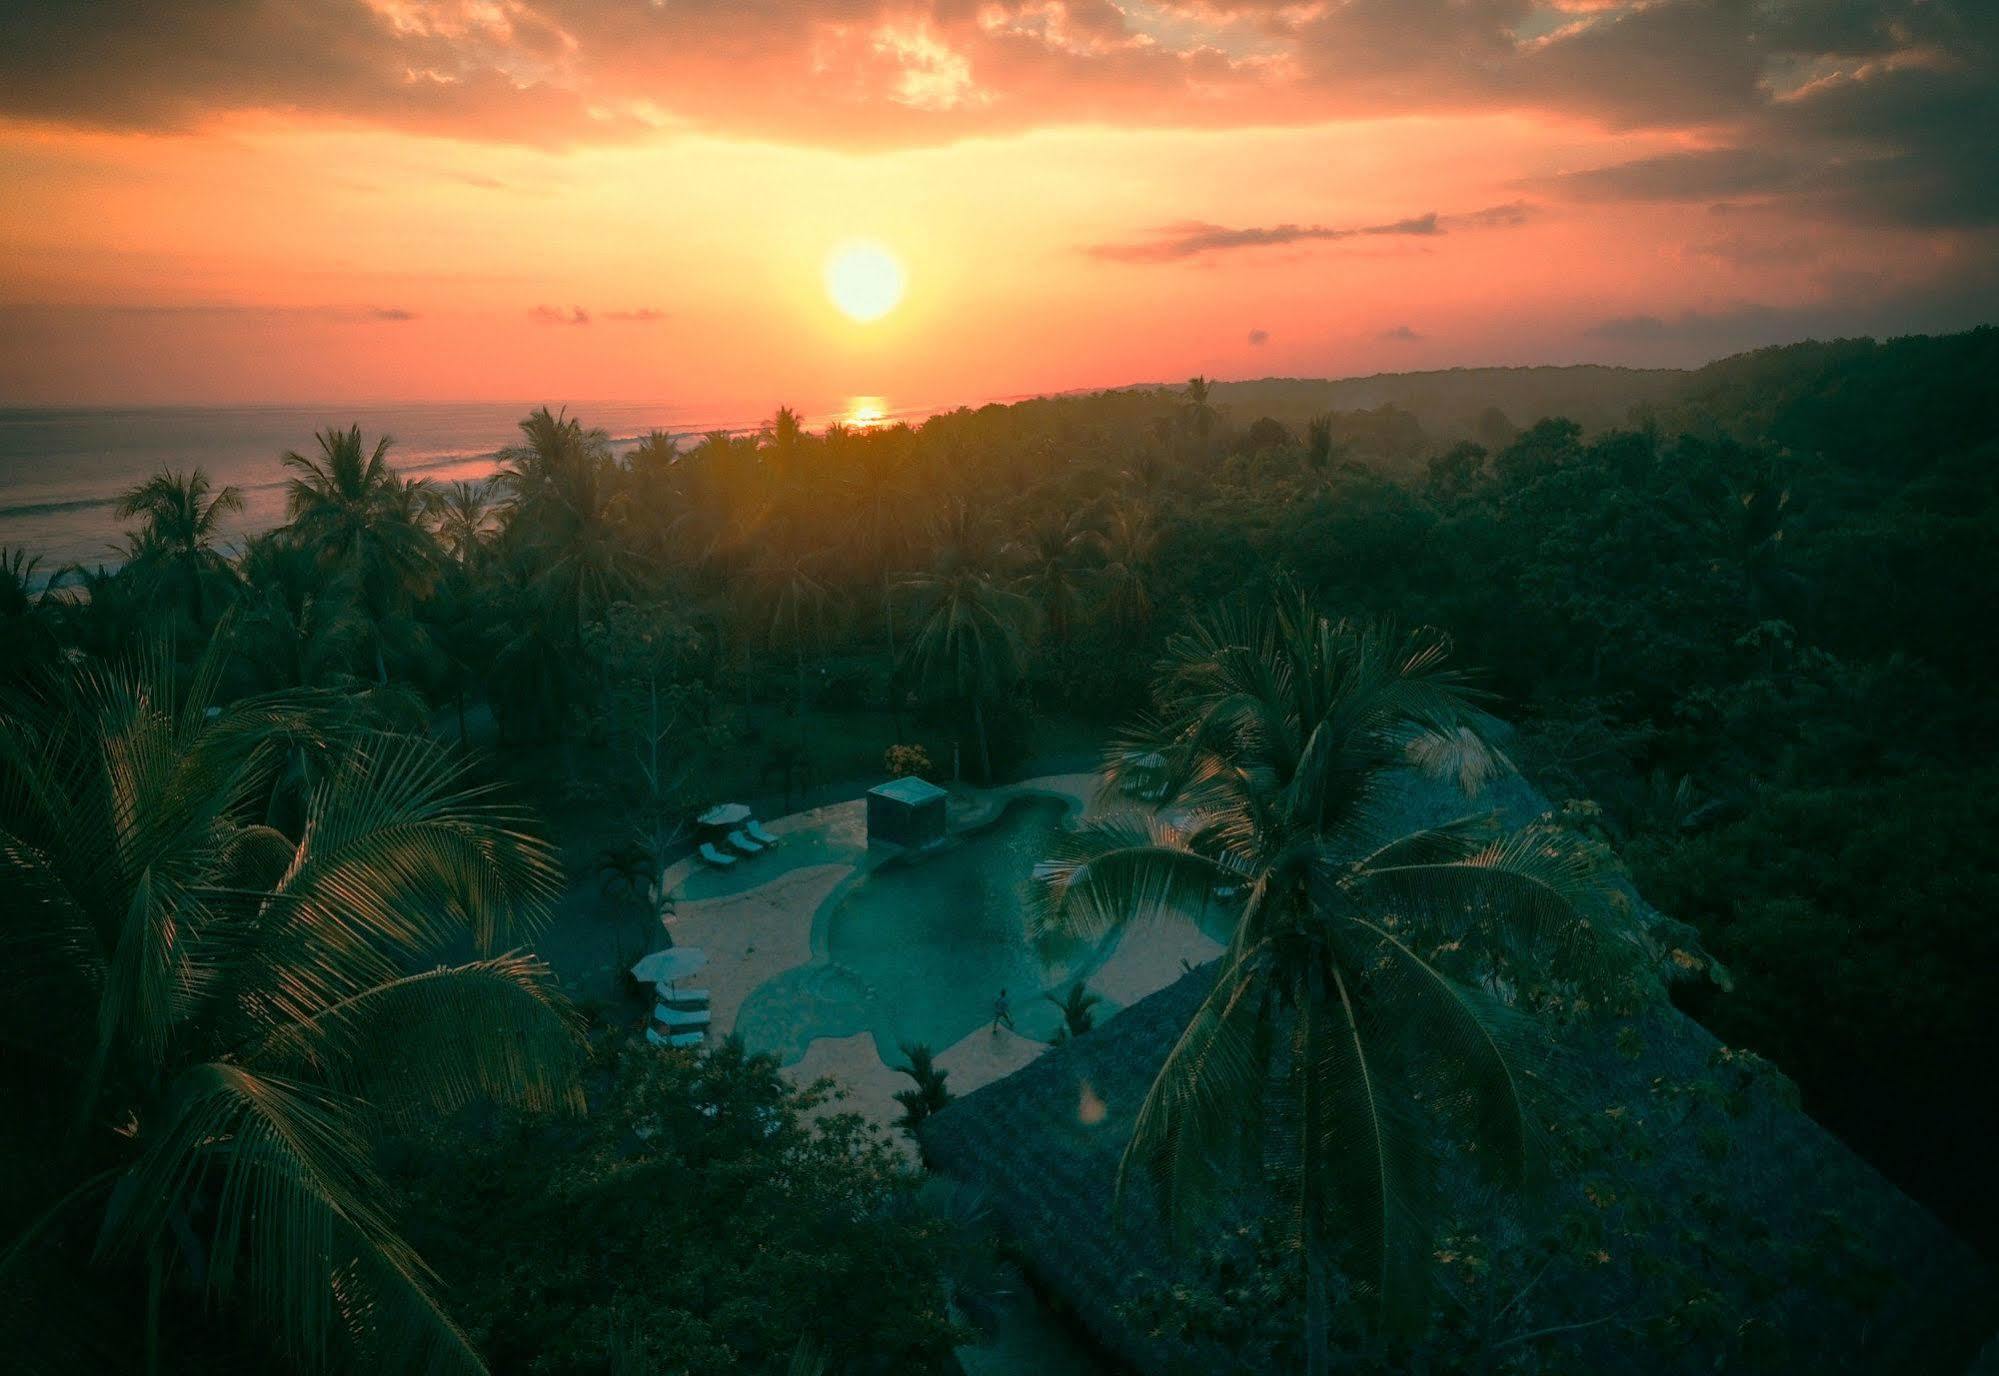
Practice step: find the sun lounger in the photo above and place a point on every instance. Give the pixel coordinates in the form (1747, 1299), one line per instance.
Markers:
(743, 843)
(757, 832)
(721, 860)
(680, 1019)
(681, 998)
(680, 1041)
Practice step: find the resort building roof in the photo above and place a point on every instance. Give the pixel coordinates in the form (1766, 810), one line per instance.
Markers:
(910, 791)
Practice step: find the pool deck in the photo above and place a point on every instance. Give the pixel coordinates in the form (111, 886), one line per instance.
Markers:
(758, 932)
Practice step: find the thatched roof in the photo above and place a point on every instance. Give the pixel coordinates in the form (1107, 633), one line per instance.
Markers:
(1793, 1234)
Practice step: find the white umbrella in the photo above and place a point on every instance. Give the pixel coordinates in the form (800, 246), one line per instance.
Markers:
(724, 815)
(675, 963)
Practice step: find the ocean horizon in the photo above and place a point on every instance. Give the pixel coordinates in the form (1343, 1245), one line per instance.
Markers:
(63, 468)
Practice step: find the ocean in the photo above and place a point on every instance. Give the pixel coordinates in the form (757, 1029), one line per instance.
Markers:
(62, 469)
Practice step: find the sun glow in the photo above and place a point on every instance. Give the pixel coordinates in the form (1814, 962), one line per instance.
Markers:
(864, 413)
(864, 280)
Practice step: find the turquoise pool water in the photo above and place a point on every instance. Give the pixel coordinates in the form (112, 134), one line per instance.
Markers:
(917, 949)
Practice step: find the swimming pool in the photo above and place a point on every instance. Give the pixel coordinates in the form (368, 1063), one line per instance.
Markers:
(916, 949)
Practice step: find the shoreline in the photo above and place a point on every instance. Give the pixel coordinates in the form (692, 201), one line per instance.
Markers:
(90, 455)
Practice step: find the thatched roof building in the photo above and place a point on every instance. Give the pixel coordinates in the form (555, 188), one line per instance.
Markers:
(1711, 1224)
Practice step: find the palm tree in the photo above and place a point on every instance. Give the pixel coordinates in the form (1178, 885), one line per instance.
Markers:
(967, 537)
(1742, 520)
(659, 451)
(25, 624)
(968, 642)
(209, 1018)
(705, 494)
(297, 625)
(878, 484)
(1078, 1007)
(358, 516)
(928, 1095)
(467, 517)
(791, 761)
(1145, 475)
(795, 601)
(1366, 1011)
(535, 677)
(1053, 558)
(1128, 549)
(176, 542)
(1196, 409)
(565, 519)
(1319, 447)
(782, 442)
(108, 614)
(652, 482)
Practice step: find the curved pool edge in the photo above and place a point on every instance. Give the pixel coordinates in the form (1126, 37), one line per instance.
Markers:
(993, 806)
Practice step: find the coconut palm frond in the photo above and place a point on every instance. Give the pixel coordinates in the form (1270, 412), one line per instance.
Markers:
(1537, 896)
(275, 1172)
(1460, 755)
(1113, 871)
(404, 842)
(395, 1321)
(430, 1043)
(1126, 764)
(400, 858)
(48, 932)
(807, 1359)
(1468, 1056)
(1453, 840)
(1200, 1124)
(206, 879)
(1362, 1182)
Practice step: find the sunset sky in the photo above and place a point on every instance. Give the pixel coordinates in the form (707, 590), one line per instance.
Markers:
(287, 200)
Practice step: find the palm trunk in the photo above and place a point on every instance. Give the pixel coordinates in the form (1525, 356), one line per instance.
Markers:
(894, 675)
(798, 660)
(652, 740)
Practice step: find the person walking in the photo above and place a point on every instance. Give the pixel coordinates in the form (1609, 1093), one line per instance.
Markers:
(1002, 1012)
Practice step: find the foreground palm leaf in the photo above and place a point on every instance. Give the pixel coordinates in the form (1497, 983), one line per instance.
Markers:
(216, 1016)
(1360, 1029)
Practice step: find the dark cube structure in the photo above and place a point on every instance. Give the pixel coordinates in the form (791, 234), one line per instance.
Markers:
(906, 812)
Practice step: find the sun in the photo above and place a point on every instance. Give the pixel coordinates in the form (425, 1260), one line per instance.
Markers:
(864, 280)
